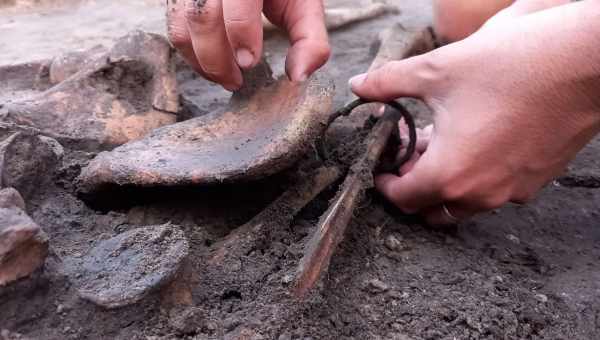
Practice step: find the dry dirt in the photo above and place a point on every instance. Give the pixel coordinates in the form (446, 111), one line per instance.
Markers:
(520, 272)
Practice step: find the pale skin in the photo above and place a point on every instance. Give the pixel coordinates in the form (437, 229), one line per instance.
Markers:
(513, 103)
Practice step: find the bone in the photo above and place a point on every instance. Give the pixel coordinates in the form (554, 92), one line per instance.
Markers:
(23, 244)
(267, 126)
(224, 258)
(104, 99)
(336, 18)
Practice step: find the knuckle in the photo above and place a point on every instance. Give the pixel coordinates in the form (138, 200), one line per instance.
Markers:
(431, 68)
(197, 11)
(493, 201)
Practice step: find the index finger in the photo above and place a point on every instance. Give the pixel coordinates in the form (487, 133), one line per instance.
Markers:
(304, 22)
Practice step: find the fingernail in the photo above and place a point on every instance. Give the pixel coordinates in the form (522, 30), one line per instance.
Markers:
(244, 58)
(357, 80)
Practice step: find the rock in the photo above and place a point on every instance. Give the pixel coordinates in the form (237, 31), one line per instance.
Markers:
(5, 334)
(20, 81)
(393, 242)
(267, 126)
(123, 269)
(185, 320)
(10, 198)
(27, 160)
(23, 244)
(377, 286)
(285, 336)
(68, 64)
(115, 97)
(541, 298)
(513, 238)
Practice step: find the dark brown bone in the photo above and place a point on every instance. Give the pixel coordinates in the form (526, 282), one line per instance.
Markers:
(106, 101)
(267, 126)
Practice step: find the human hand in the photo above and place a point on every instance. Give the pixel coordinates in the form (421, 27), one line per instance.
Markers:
(513, 104)
(218, 37)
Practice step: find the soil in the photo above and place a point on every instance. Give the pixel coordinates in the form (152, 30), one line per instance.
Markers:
(520, 272)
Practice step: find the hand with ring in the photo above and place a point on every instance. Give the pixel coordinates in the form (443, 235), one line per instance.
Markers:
(513, 104)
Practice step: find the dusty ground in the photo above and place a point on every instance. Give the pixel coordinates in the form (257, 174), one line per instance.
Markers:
(521, 272)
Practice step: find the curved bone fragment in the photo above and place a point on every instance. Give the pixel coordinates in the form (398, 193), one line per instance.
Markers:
(118, 96)
(268, 125)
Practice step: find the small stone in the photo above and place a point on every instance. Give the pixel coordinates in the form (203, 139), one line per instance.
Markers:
(5, 334)
(393, 242)
(60, 309)
(123, 269)
(10, 198)
(513, 238)
(285, 336)
(287, 279)
(23, 244)
(377, 286)
(186, 320)
(27, 160)
(541, 298)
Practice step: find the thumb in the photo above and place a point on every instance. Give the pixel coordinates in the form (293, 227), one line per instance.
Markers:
(404, 78)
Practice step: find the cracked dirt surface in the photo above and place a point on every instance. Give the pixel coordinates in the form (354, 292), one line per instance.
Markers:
(520, 272)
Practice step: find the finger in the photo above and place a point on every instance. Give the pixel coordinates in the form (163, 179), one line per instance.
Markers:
(304, 21)
(178, 34)
(404, 78)
(453, 214)
(423, 136)
(243, 24)
(412, 192)
(210, 43)
(409, 164)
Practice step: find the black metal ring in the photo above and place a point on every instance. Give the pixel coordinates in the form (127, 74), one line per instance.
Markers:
(412, 129)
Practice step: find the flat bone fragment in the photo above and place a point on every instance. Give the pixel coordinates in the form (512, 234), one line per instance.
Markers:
(23, 244)
(336, 18)
(124, 269)
(266, 127)
(115, 97)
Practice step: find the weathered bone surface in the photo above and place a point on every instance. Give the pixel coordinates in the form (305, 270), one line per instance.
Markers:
(23, 244)
(267, 126)
(339, 17)
(26, 161)
(123, 269)
(107, 100)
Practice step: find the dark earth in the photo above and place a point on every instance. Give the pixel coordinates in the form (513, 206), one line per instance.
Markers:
(520, 272)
